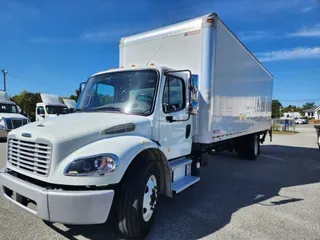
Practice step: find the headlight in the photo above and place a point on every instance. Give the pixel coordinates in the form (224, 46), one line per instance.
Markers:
(2, 123)
(92, 166)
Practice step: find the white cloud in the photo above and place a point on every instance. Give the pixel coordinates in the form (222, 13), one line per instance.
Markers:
(250, 9)
(307, 32)
(44, 39)
(296, 53)
(307, 9)
(110, 35)
(99, 36)
(253, 35)
(16, 10)
(89, 37)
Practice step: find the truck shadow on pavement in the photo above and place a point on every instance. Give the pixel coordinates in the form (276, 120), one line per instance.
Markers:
(227, 185)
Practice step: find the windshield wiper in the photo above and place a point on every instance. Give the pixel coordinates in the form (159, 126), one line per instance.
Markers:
(109, 108)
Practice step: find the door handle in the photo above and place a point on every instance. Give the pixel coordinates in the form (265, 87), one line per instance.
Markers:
(169, 119)
(188, 131)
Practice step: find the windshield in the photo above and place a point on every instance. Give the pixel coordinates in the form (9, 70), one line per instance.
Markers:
(57, 110)
(130, 92)
(8, 108)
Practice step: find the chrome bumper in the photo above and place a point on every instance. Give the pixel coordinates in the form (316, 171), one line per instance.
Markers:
(68, 207)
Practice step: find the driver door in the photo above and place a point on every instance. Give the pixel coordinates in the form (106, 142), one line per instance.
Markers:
(175, 127)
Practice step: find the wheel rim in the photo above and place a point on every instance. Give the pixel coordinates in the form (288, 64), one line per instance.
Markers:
(150, 198)
(256, 146)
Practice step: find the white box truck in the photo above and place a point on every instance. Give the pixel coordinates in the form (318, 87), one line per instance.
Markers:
(51, 106)
(10, 116)
(144, 129)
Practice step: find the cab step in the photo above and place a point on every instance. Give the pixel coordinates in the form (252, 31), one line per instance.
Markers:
(181, 174)
(184, 183)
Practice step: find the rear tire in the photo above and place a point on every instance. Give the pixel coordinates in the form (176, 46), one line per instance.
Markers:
(138, 201)
(249, 147)
(253, 147)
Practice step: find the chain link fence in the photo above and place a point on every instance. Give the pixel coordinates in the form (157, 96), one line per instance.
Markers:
(285, 125)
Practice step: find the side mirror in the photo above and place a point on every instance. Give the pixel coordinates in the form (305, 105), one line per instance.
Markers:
(81, 87)
(195, 88)
(194, 95)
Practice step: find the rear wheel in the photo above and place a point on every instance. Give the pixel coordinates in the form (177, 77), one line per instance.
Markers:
(249, 147)
(138, 201)
(254, 147)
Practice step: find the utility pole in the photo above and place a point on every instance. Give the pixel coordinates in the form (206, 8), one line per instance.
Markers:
(4, 78)
(280, 108)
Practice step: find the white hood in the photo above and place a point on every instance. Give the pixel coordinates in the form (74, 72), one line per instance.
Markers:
(78, 129)
(12, 115)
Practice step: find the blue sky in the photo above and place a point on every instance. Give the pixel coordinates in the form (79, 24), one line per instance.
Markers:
(52, 46)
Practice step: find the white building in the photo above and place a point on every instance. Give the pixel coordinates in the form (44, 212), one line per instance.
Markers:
(313, 112)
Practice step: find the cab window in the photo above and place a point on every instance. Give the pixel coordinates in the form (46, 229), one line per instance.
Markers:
(174, 95)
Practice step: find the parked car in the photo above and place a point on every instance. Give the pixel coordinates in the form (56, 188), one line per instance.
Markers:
(300, 121)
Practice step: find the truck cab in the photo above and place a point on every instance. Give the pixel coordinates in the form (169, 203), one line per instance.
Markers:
(156, 96)
(10, 116)
(128, 123)
(51, 106)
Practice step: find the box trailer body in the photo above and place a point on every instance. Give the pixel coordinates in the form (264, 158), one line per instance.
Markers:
(235, 88)
(144, 129)
(70, 103)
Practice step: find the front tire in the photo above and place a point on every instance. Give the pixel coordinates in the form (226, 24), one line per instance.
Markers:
(138, 201)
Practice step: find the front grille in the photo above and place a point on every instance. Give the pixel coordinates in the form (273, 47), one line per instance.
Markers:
(13, 123)
(29, 156)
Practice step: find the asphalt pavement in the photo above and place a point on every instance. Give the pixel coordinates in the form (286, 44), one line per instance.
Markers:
(275, 197)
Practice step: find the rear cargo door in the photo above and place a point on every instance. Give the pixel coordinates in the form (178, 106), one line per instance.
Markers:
(175, 128)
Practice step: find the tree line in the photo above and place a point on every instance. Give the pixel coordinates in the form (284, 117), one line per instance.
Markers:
(27, 101)
(276, 106)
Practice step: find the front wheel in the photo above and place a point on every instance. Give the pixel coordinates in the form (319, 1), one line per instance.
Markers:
(138, 201)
